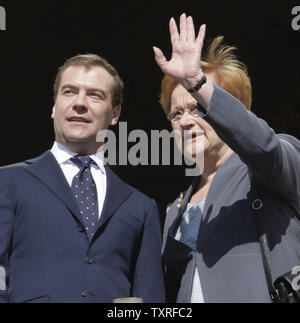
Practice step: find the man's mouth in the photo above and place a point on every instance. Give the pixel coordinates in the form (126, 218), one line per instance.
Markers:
(78, 119)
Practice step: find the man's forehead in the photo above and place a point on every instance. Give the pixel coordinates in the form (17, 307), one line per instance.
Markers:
(93, 76)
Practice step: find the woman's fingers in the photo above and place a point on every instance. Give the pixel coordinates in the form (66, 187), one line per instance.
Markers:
(173, 31)
(190, 30)
(201, 35)
(159, 57)
(183, 27)
(186, 32)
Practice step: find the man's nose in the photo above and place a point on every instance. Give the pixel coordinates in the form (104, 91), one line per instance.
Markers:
(80, 103)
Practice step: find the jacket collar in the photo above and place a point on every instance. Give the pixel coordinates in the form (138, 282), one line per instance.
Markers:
(116, 194)
(178, 207)
(210, 212)
(46, 169)
(218, 195)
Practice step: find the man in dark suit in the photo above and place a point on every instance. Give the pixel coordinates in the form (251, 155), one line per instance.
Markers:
(70, 229)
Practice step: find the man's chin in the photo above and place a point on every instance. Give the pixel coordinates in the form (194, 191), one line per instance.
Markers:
(77, 140)
(85, 146)
(80, 138)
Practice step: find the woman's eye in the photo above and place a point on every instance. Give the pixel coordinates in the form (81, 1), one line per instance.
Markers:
(193, 110)
(177, 113)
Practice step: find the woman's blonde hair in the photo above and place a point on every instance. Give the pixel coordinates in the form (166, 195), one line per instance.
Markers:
(231, 74)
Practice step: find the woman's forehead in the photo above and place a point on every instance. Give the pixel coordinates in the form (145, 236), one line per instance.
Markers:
(181, 98)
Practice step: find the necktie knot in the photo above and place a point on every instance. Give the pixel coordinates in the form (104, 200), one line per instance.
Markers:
(82, 161)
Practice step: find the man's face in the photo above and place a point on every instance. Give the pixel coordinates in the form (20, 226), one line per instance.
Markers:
(83, 106)
(193, 138)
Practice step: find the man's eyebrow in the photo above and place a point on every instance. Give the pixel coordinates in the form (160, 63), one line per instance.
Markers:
(68, 86)
(94, 89)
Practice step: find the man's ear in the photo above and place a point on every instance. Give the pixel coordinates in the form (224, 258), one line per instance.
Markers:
(116, 115)
(53, 112)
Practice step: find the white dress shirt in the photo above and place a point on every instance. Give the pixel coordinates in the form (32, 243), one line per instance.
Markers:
(63, 155)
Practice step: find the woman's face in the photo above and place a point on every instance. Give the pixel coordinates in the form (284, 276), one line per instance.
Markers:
(194, 136)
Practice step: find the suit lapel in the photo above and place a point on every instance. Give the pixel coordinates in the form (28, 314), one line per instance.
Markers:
(117, 192)
(216, 199)
(174, 214)
(178, 208)
(218, 193)
(46, 169)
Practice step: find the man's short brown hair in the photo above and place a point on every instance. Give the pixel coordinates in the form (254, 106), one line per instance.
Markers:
(231, 74)
(88, 61)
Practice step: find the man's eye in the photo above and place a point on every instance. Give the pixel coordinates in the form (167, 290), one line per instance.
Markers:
(67, 92)
(96, 95)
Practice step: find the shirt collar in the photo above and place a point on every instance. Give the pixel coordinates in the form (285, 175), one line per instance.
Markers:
(63, 155)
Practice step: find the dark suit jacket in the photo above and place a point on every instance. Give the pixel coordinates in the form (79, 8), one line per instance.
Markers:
(46, 253)
(228, 255)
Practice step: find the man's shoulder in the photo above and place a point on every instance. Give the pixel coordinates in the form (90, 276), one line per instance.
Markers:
(12, 173)
(19, 166)
(13, 169)
(13, 166)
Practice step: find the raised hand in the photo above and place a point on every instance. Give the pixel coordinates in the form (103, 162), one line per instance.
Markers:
(184, 66)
